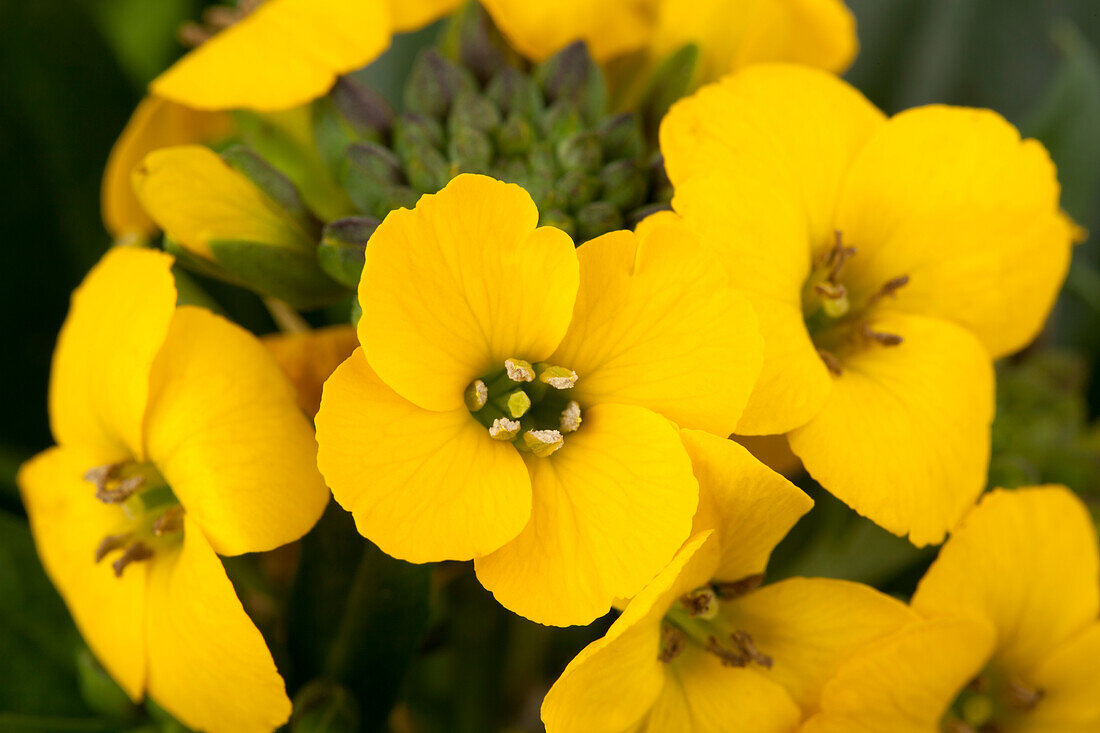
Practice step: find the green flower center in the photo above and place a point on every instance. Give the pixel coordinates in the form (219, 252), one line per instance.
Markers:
(530, 405)
(991, 703)
(694, 619)
(837, 322)
(151, 518)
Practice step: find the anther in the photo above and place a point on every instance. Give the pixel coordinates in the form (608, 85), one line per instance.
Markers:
(543, 442)
(109, 544)
(890, 289)
(673, 641)
(477, 394)
(558, 377)
(1020, 696)
(745, 643)
(519, 370)
(170, 521)
(830, 290)
(831, 362)
(100, 475)
(886, 339)
(123, 491)
(504, 429)
(729, 657)
(137, 552)
(701, 603)
(570, 417)
(738, 588)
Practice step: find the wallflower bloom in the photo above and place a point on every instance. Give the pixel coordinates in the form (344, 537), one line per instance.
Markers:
(818, 33)
(889, 261)
(309, 358)
(165, 457)
(703, 647)
(509, 402)
(1013, 637)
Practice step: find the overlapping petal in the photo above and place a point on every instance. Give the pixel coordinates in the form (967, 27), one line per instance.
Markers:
(1071, 688)
(424, 486)
(224, 429)
(309, 358)
(538, 29)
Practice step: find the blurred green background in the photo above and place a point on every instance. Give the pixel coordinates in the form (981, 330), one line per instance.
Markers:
(72, 70)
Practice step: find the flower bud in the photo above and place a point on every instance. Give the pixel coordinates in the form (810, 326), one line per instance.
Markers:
(374, 181)
(575, 189)
(470, 37)
(621, 136)
(274, 184)
(598, 217)
(515, 93)
(412, 131)
(672, 80)
(350, 113)
(515, 136)
(470, 151)
(343, 246)
(572, 76)
(580, 151)
(434, 83)
(472, 111)
(428, 171)
(624, 184)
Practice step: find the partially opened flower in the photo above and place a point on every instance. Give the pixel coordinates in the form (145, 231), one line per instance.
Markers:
(704, 647)
(1012, 638)
(729, 35)
(889, 261)
(512, 399)
(166, 456)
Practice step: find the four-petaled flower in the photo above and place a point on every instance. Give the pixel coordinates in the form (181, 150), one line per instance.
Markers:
(512, 399)
(177, 438)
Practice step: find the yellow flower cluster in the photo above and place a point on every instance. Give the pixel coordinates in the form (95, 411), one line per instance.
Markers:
(560, 414)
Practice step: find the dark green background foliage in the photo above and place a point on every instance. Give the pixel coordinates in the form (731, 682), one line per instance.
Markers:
(353, 630)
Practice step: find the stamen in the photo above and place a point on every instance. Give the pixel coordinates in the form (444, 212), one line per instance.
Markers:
(193, 35)
(477, 394)
(519, 370)
(830, 290)
(890, 289)
(518, 403)
(745, 643)
(170, 521)
(109, 544)
(831, 362)
(673, 641)
(100, 475)
(220, 17)
(137, 552)
(123, 491)
(729, 657)
(1020, 696)
(886, 339)
(738, 588)
(570, 417)
(504, 429)
(558, 377)
(543, 442)
(701, 603)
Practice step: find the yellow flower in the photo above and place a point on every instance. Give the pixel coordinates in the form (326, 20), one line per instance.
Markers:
(818, 33)
(1012, 640)
(166, 456)
(504, 406)
(309, 358)
(703, 647)
(889, 262)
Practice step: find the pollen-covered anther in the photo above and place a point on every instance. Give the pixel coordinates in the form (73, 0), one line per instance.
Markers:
(886, 339)
(738, 588)
(121, 492)
(109, 544)
(745, 644)
(890, 289)
(136, 552)
(834, 258)
(543, 442)
(728, 657)
(701, 603)
(831, 362)
(673, 641)
(519, 370)
(1020, 696)
(504, 429)
(570, 420)
(170, 521)
(477, 394)
(558, 377)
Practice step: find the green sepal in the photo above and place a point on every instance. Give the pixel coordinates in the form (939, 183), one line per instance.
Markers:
(515, 93)
(372, 176)
(275, 186)
(673, 79)
(434, 83)
(471, 39)
(291, 276)
(343, 247)
(572, 76)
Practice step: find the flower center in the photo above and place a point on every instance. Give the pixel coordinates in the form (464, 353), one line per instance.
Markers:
(694, 619)
(527, 404)
(991, 703)
(151, 518)
(838, 322)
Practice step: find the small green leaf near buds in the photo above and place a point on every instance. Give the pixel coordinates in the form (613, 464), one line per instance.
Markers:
(558, 377)
(517, 403)
(598, 217)
(543, 442)
(515, 93)
(624, 183)
(519, 370)
(570, 420)
(621, 137)
(571, 75)
(580, 151)
(477, 394)
(504, 429)
(343, 246)
(434, 83)
(273, 183)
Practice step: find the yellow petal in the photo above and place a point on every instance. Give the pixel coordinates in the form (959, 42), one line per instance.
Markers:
(1025, 561)
(99, 382)
(657, 325)
(610, 686)
(820, 33)
(208, 663)
(308, 358)
(705, 696)
(751, 507)
(459, 284)
(810, 626)
(610, 508)
(905, 683)
(1071, 687)
(904, 437)
(540, 29)
(773, 451)
(156, 123)
(793, 128)
(68, 524)
(225, 431)
(409, 15)
(282, 55)
(195, 197)
(954, 199)
(424, 486)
